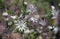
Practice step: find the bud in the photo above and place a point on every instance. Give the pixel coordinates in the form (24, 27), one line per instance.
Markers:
(25, 3)
(5, 14)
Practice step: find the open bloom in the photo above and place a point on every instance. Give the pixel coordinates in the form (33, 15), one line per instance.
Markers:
(28, 31)
(21, 25)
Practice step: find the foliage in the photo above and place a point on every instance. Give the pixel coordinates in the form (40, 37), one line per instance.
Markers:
(45, 4)
(10, 12)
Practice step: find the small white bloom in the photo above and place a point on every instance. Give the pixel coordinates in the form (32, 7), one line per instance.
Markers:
(27, 31)
(18, 26)
(6, 19)
(31, 30)
(21, 29)
(26, 17)
(44, 33)
(36, 16)
(15, 21)
(32, 6)
(21, 15)
(52, 7)
(21, 25)
(55, 30)
(50, 27)
(29, 11)
(55, 13)
(9, 23)
(4, 13)
(40, 37)
(54, 17)
(33, 19)
(59, 4)
(25, 3)
(41, 27)
(40, 31)
(14, 17)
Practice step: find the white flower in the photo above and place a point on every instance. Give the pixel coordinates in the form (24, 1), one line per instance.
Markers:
(40, 37)
(36, 16)
(31, 30)
(53, 7)
(9, 23)
(6, 19)
(55, 13)
(18, 26)
(27, 31)
(21, 15)
(33, 19)
(40, 31)
(54, 17)
(15, 21)
(50, 27)
(25, 3)
(44, 33)
(26, 17)
(21, 28)
(41, 27)
(59, 4)
(4, 13)
(55, 30)
(29, 11)
(14, 17)
(21, 25)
